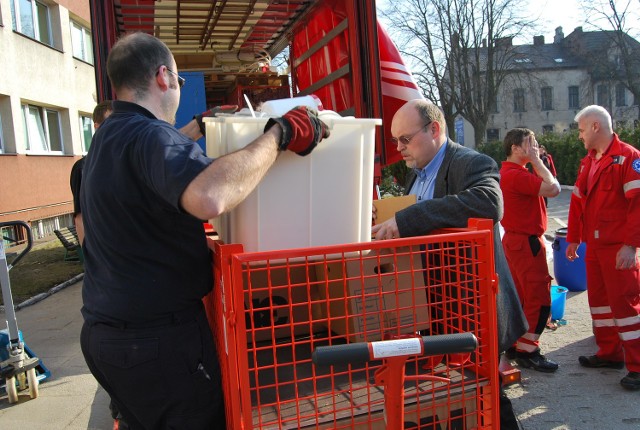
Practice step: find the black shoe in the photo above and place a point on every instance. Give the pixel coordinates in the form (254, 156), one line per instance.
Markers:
(631, 381)
(594, 361)
(536, 361)
(511, 353)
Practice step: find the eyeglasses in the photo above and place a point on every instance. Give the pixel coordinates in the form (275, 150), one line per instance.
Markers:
(181, 80)
(406, 139)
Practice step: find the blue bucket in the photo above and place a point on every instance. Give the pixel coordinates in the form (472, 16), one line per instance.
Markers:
(558, 301)
(571, 274)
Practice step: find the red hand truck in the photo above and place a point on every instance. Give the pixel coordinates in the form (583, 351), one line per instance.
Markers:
(269, 311)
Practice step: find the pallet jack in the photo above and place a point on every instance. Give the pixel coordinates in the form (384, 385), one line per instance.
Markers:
(19, 368)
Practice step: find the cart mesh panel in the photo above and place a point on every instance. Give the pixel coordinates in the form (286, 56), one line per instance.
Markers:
(270, 310)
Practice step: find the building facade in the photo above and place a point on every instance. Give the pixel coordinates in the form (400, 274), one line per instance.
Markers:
(549, 83)
(47, 96)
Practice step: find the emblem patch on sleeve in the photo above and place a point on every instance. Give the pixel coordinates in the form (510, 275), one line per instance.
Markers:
(636, 165)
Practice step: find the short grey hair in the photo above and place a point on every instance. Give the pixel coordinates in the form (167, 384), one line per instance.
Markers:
(599, 113)
(429, 112)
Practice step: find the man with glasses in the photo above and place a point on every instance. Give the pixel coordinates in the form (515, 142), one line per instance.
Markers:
(146, 189)
(452, 183)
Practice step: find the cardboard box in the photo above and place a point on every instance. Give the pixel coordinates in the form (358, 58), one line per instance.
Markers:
(387, 207)
(377, 294)
(277, 301)
(460, 414)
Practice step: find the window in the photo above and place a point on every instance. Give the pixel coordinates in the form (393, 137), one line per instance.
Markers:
(31, 18)
(546, 95)
(603, 95)
(81, 43)
(518, 100)
(574, 97)
(86, 132)
(43, 130)
(547, 128)
(494, 104)
(493, 134)
(621, 95)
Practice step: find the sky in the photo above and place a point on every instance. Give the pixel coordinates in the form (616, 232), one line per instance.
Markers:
(570, 14)
(550, 14)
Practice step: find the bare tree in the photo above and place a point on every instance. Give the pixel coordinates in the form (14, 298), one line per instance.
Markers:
(460, 51)
(621, 61)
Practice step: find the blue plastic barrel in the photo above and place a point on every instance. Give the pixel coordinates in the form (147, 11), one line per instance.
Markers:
(571, 274)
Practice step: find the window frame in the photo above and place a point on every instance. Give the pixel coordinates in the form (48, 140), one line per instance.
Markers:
(36, 20)
(84, 44)
(86, 120)
(492, 130)
(621, 93)
(45, 127)
(575, 96)
(546, 102)
(603, 90)
(518, 96)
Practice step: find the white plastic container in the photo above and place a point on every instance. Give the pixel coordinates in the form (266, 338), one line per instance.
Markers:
(322, 199)
(281, 106)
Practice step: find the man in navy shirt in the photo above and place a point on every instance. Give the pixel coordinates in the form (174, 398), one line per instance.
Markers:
(146, 189)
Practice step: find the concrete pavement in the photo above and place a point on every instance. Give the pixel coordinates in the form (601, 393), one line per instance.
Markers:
(71, 398)
(574, 398)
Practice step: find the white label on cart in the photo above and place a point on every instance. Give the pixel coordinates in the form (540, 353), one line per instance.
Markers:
(397, 348)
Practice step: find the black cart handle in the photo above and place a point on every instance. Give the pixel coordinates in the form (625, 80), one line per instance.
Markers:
(362, 352)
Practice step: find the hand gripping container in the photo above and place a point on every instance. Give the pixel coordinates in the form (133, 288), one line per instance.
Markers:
(269, 312)
(321, 199)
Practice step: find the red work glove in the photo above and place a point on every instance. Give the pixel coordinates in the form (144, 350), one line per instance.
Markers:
(213, 112)
(301, 130)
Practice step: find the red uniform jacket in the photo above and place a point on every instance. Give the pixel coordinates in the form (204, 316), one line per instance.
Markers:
(608, 211)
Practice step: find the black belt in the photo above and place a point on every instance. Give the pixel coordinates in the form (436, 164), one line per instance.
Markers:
(173, 318)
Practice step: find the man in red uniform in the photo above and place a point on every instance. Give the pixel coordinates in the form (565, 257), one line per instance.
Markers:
(524, 222)
(605, 213)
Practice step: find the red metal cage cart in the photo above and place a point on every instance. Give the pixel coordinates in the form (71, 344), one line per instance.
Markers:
(270, 310)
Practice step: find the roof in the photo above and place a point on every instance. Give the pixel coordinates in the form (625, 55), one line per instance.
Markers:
(577, 50)
(547, 56)
(222, 38)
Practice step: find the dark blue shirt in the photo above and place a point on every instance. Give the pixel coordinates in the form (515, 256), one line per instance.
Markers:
(145, 257)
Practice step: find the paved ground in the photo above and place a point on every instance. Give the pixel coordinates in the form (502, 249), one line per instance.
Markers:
(71, 398)
(574, 398)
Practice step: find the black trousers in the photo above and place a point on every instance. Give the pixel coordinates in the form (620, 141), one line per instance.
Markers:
(164, 377)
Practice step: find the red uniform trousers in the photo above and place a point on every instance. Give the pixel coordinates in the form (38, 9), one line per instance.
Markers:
(530, 273)
(615, 309)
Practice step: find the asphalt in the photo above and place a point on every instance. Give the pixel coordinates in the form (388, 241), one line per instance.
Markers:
(573, 398)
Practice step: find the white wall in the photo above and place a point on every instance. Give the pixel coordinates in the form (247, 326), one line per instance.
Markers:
(45, 76)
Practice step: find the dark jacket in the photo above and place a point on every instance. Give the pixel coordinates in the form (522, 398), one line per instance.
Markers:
(467, 186)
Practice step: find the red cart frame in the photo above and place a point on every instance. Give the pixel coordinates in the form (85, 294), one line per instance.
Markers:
(270, 310)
